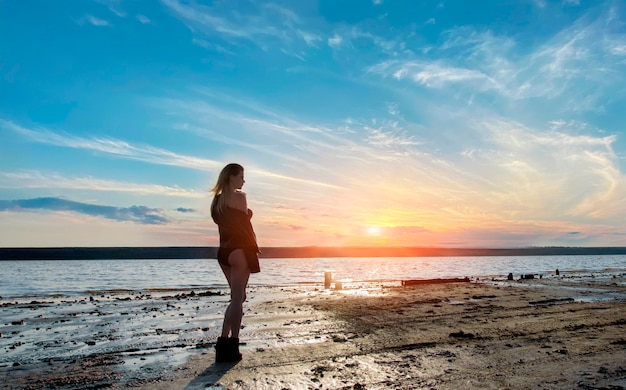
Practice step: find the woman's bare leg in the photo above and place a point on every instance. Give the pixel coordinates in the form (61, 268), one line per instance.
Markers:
(226, 324)
(237, 275)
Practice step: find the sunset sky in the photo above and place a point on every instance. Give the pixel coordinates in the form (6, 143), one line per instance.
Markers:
(387, 122)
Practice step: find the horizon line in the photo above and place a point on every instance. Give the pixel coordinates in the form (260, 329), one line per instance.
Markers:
(204, 252)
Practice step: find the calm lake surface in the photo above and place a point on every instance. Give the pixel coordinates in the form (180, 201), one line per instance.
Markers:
(37, 278)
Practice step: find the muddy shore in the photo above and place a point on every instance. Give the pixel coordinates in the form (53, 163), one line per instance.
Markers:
(525, 334)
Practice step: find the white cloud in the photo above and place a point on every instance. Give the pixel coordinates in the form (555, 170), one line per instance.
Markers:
(94, 21)
(335, 41)
(143, 19)
(118, 12)
(382, 138)
(618, 48)
(434, 75)
(309, 38)
(393, 109)
(113, 6)
(211, 46)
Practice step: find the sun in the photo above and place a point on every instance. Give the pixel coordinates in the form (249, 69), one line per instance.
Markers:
(373, 231)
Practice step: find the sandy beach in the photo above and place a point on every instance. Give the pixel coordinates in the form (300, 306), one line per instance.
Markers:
(565, 332)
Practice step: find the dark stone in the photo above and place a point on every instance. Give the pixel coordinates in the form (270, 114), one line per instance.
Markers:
(462, 335)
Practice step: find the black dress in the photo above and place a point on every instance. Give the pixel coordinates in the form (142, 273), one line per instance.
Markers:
(236, 232)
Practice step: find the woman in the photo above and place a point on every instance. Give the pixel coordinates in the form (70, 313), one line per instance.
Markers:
(237, 254)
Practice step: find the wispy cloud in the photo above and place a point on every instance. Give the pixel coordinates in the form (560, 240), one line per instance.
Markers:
(348, 40)
(488, 127)
(144, 153)
(114, 6)
(321, 148)
(500, 164)
(268, 26)
(379, 137)
(113, 147)
(143, 19)
(458, 166)
(335, 41)
(137, 214)
(233, 24)
(548, 174)
(52, 180)
(434, 75)
(574, 69)
(271, 26)
(310, 38)
(94, 21)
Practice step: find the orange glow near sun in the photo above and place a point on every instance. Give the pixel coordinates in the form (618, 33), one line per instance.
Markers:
(374, 235)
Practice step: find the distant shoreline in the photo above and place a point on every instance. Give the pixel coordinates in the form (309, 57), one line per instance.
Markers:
(195, 252)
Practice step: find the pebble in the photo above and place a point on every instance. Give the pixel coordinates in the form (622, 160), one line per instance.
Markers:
(461, 334)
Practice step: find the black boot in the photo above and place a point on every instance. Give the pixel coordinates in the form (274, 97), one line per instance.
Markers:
(233, 348)
(222, 354)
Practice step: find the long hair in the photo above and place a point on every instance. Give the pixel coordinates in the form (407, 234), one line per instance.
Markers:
(223, 180)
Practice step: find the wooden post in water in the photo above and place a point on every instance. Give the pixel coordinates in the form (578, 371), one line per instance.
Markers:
(328, 278)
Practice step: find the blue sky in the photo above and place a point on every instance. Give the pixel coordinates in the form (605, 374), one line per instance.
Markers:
(419, 123)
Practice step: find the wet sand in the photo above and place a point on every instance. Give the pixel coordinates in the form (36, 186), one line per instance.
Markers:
(550, 333)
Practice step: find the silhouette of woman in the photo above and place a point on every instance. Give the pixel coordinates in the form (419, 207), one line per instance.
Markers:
(237, 254)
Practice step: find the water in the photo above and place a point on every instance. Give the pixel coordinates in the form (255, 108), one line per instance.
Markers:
(74, 277)
(58, 311)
